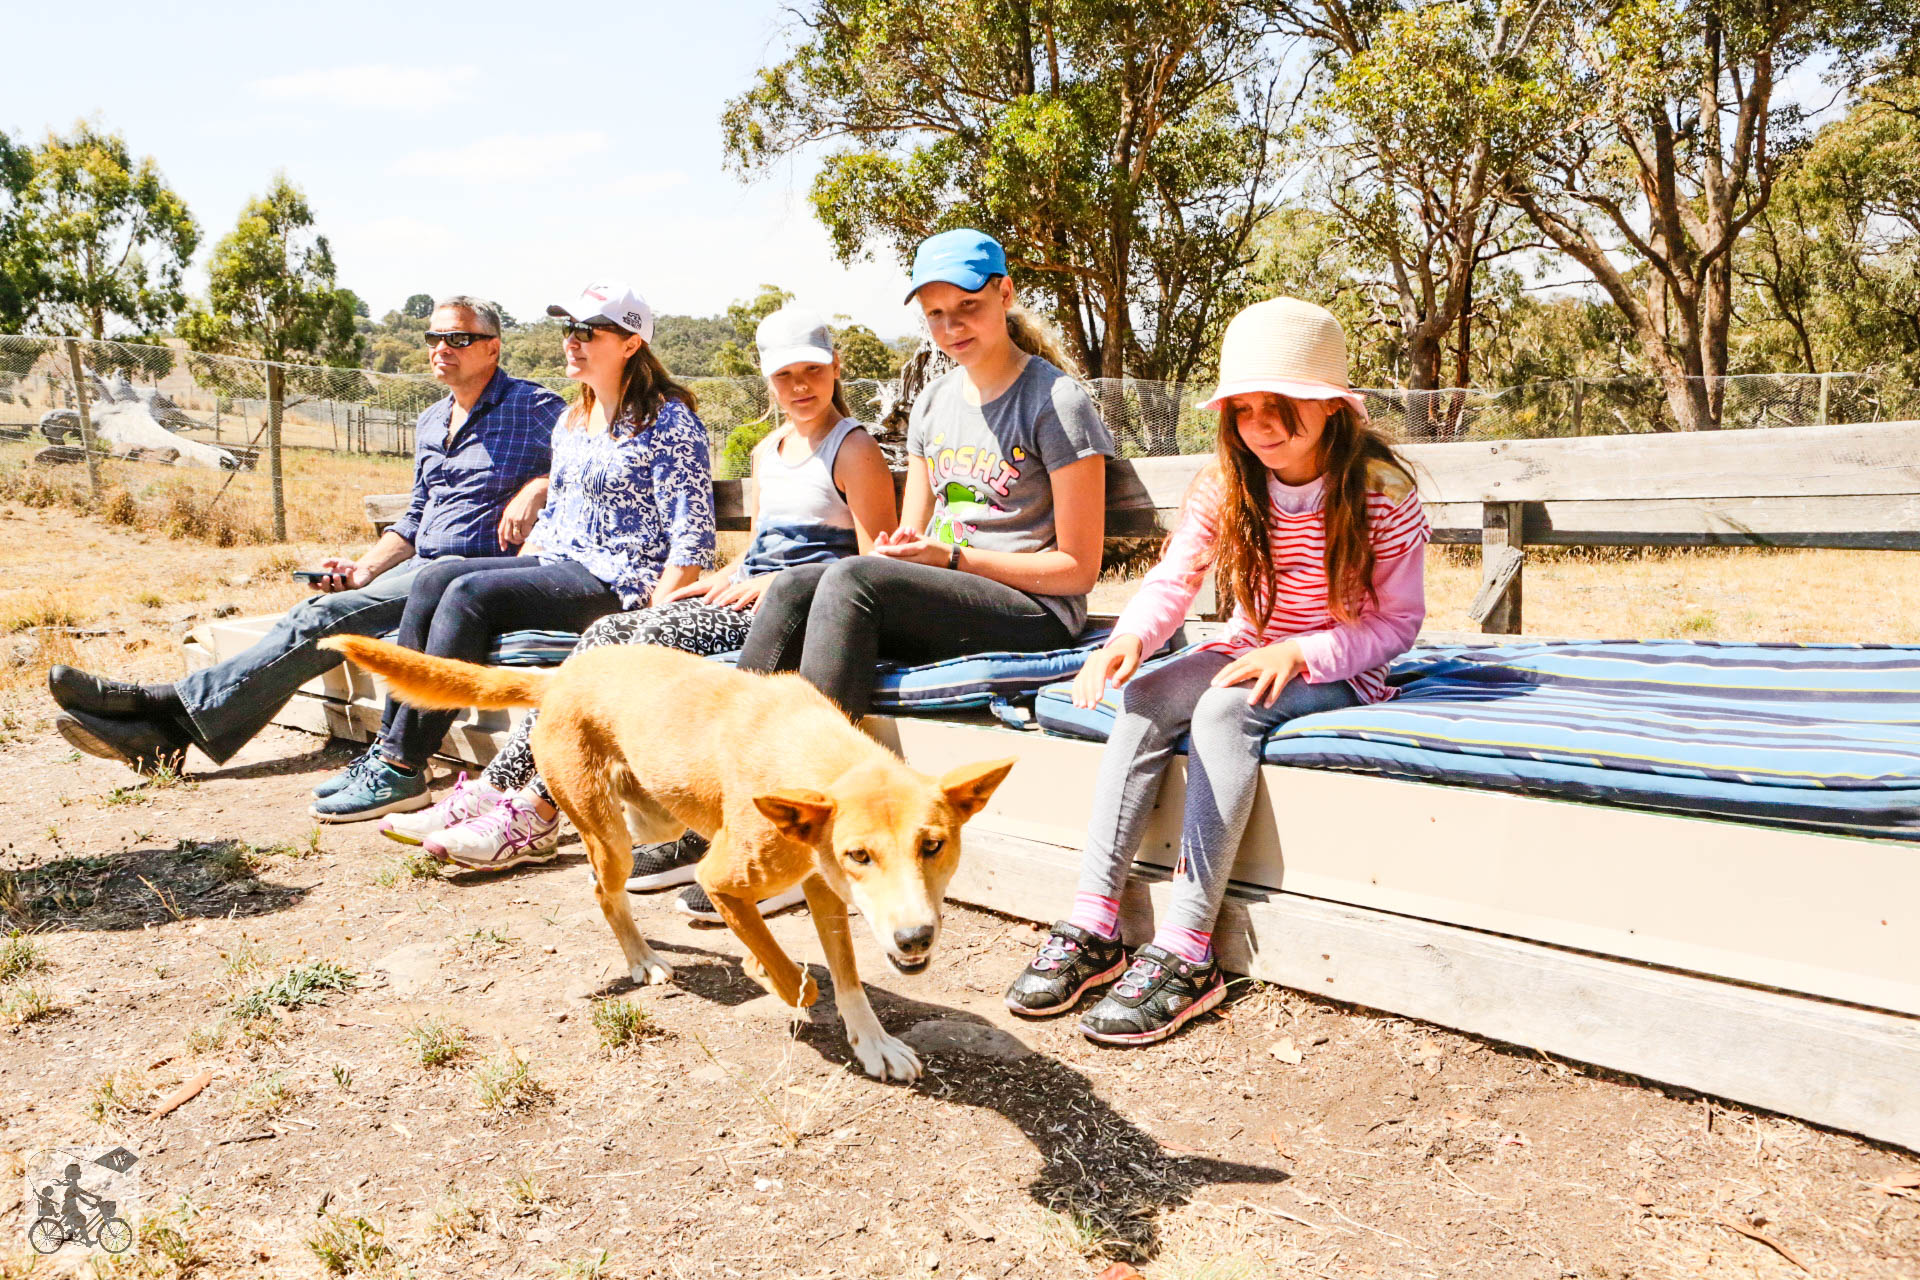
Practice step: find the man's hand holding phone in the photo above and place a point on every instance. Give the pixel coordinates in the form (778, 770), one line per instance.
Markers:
(335, 574)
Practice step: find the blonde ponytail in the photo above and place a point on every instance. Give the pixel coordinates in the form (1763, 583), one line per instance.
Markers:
(1038, 338)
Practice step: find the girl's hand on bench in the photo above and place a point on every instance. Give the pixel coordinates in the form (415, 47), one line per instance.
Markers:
(1271, 669)
(720, 590)
(1114, 664)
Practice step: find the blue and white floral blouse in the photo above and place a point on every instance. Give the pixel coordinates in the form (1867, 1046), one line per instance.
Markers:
(626, 503)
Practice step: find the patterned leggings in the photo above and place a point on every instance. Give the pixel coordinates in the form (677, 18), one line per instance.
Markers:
(691, 626)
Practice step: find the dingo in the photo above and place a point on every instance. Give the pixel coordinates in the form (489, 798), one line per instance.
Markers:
(767, 768)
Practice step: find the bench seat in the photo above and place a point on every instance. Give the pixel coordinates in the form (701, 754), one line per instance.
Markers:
(1816, 737)
(969, 683)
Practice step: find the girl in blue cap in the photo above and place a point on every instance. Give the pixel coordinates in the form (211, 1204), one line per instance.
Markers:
(1001, 523)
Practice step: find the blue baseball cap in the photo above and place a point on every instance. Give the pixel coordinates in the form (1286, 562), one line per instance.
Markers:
(964, 258)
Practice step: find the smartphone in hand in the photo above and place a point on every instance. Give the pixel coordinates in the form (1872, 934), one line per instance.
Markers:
(312, 577)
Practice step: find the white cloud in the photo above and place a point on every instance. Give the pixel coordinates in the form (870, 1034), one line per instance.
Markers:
(375, 85)
(506, 157)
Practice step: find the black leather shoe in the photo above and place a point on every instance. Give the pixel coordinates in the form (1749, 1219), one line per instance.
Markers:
(76, 690)
(145, 746)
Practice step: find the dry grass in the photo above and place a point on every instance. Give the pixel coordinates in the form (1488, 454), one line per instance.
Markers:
(1696, 594)
(324, 495)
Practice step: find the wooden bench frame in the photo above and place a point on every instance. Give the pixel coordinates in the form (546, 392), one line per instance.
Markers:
(1766, 966)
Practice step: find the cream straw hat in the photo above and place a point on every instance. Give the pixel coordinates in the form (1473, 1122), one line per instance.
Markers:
(1289, 347)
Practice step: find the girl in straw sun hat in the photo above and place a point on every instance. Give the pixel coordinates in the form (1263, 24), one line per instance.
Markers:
(1316, 534)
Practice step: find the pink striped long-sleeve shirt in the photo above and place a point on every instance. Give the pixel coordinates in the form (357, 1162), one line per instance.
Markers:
(1358, 650)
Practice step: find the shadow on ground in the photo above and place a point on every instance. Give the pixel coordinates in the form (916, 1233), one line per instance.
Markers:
(1108, 1179)
(130, 890)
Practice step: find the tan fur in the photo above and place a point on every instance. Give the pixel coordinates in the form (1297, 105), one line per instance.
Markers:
(767, 768)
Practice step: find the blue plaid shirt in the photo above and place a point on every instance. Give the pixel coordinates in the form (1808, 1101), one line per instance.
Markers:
(458, 496)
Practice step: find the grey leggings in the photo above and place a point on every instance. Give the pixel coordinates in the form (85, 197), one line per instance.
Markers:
(1223, 770)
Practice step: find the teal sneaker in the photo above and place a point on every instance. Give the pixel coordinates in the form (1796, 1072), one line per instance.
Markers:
(346, 776)
(377, 790)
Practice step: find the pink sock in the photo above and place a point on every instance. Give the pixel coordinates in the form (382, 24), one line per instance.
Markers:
(1096, 913)
(1188, 944)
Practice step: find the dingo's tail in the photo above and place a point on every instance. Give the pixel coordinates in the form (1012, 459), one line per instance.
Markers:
(441, 684)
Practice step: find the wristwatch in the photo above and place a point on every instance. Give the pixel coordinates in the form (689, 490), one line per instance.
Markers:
(953, 556)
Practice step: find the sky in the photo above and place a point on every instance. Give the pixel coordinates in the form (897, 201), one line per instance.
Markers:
(515, 151)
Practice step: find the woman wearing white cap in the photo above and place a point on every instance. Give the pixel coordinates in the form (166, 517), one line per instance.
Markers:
(628, 520)
(823, 492)
(1318, 537)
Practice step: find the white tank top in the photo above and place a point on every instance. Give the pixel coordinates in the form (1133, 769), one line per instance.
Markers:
(803, 518)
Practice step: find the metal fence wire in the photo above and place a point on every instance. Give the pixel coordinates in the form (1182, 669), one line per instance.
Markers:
(167, 405)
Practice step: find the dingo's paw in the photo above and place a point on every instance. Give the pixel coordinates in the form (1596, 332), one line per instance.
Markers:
(885, 1058)
(651, 973)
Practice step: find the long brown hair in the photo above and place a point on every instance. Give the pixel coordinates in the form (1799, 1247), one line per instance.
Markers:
(645, 386)
(1243, 551)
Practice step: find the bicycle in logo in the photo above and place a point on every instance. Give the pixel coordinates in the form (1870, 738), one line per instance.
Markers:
(79, 1216)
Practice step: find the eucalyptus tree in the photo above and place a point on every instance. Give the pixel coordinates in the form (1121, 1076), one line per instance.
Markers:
(271, 288)
(1424, 110)
(1122, 153)
(110, 238)
(1669, 146)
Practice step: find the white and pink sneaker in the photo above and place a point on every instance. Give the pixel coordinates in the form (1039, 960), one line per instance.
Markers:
(466, 800)
(512, 832)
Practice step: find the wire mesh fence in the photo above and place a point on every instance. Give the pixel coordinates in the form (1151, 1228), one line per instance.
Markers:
(223, 417)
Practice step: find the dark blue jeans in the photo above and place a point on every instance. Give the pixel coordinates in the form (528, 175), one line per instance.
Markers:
(231, 701)
(833, 622)
(457, 609)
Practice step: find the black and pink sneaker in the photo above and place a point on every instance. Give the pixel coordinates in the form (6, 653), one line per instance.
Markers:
(1159, 994)
(1071, 960)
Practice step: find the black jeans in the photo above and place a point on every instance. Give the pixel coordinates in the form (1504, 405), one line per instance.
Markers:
(833, 622)
(457, 607)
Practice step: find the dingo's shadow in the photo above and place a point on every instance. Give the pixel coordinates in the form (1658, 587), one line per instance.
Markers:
(1107, 1178)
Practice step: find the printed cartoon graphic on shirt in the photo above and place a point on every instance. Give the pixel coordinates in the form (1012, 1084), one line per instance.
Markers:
(965, 480)
(961, 505)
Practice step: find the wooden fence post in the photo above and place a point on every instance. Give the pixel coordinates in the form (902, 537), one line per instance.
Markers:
(276, 401)
(1820, 417)
(1577, 408)
(1502, 559)
(86, 418)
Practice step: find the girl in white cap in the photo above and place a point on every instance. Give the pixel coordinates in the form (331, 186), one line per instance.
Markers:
(1315, 532)
(824, 492)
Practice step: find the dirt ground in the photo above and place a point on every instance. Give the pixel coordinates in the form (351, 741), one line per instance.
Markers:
(413, 1074)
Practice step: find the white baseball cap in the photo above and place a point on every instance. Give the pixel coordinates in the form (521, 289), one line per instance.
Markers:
(793, 335)
(613, 302)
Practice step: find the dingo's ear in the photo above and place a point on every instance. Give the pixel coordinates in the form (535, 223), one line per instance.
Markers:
(968, 787)
(798, 813)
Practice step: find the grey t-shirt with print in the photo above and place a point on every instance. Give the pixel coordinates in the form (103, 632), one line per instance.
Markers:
(989, 463)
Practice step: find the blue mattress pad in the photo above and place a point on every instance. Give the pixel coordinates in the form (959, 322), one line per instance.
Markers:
(1824, 737)
(974, 681)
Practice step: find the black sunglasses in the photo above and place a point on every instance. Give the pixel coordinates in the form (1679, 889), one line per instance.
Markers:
(455, 338)
(582, 331)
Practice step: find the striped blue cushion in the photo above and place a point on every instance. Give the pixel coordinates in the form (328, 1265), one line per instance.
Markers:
(1824, 736)
(975, 680)
(957, 684)
(524, 648)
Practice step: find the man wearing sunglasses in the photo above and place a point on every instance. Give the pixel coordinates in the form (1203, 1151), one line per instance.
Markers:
(479, 480)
